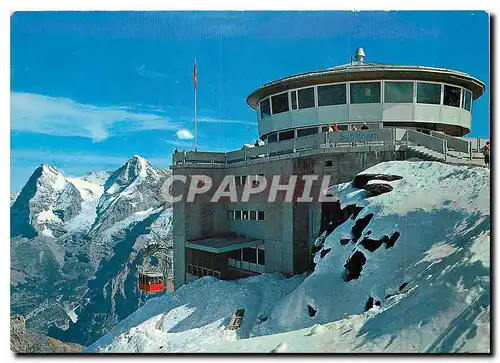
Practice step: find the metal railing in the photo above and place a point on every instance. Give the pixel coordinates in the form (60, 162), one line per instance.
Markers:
(430, 142)
(477, 143)
(201, 271)
(455, 143)
(375, 137)
(347, 140)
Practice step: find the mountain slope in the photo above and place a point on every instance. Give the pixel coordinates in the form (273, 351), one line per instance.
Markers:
(409, 273)
(72, 240)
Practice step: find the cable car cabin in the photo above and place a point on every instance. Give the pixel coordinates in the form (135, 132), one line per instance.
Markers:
(151, 282)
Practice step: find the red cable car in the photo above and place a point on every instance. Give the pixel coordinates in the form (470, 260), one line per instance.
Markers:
(151, 282)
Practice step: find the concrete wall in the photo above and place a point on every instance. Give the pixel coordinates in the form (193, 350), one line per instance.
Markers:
(289, 228)
(194, 220)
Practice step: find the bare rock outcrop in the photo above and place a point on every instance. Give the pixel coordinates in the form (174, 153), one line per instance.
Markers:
(25, 341)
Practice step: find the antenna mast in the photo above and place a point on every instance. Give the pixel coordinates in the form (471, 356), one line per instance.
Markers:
(194, 83)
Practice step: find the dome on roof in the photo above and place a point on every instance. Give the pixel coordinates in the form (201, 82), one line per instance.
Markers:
(359, 55)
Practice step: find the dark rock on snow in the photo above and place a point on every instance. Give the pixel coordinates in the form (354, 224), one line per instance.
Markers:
(377, 189)
(361, 180)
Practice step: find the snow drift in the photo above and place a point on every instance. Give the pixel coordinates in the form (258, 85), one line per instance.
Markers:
(409, 273)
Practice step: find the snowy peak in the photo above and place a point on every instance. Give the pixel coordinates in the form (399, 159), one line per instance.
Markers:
(48, 201)
(135, 186)
(49, 169)
(34, 204)
(135, 168)
(51, 179)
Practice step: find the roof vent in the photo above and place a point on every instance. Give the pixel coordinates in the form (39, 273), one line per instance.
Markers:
(359, 55)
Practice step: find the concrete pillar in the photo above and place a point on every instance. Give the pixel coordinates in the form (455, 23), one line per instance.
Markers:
(179, 261)
(287, 237)
(269, 255)
(314, 223)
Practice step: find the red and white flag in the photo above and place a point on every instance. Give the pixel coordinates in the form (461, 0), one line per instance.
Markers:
(194, 74)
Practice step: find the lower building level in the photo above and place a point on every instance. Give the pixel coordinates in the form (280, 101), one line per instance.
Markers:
(231, 239)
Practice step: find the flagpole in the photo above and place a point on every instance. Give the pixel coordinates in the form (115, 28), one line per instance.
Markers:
(195, 86)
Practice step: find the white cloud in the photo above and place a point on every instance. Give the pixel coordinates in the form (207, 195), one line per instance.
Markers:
(184, 134)
(65, 117)
(49, 157)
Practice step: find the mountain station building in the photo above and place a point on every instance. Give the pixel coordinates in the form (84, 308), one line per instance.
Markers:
(410, 111)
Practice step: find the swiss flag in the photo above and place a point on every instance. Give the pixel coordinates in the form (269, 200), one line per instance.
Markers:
(194, 74)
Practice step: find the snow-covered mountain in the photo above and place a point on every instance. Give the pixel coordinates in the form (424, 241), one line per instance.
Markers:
(134, 187)
(76, 243)
(408, 271)
(44, 203)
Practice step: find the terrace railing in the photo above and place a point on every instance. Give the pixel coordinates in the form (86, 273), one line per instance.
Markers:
(375, 137)
(430, 142)
(201, 271)
(455, 143)
(476, 143)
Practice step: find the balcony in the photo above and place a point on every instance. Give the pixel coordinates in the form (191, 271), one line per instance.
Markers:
(450, 149)
(383, 139)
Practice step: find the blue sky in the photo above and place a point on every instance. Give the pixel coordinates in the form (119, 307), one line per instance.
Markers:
(90, 89)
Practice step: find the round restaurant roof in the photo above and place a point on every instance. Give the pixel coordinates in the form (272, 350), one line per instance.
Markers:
(361, 71)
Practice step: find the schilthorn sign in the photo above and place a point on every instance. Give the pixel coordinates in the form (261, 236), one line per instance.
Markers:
(359, 136)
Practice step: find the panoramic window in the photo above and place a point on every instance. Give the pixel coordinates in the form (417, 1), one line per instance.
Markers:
(451, 96)
(262, 258)
(237, 215)
(250, 255)
(260, 215)
(287, 135)
(398, 92)
(466, 103)
(293, 96)
(265, 108)
(306, 97)
(244, 215)
(230, 214)
(429, 93)
(272, 138)
(307, 131)
(368, 92)
(235, 255)
(280, 103)
(333, 94)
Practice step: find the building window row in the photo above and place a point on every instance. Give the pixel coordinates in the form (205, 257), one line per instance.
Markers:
(249, 258)
(366, 92)
(243, 179)
(245, 215)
